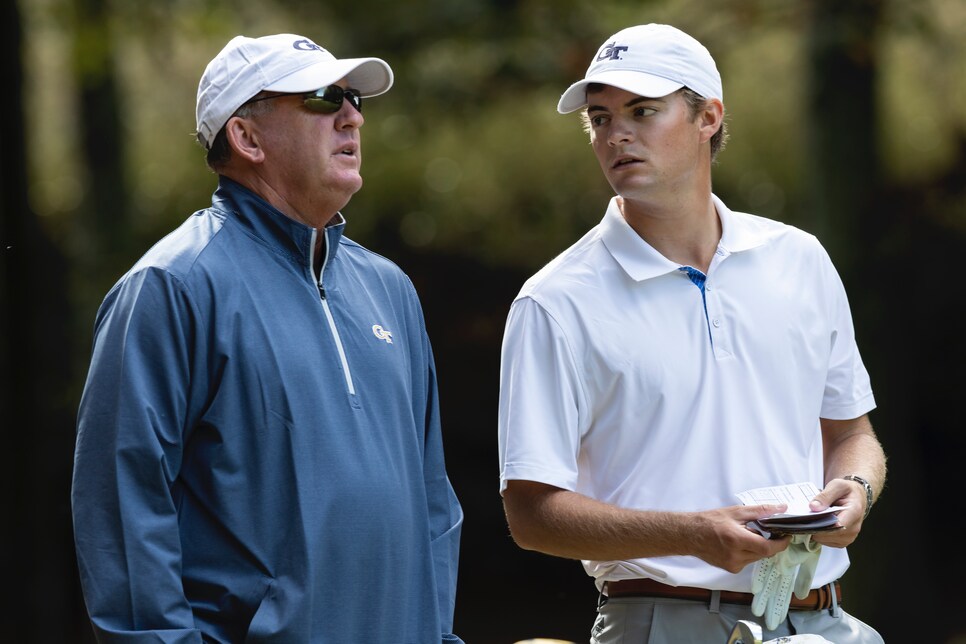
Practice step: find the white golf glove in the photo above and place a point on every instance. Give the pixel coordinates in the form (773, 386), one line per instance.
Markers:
(773, 579)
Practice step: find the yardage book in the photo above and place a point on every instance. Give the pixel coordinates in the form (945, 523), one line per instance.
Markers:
(797, 518)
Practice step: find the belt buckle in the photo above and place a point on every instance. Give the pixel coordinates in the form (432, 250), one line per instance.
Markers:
(825, 597)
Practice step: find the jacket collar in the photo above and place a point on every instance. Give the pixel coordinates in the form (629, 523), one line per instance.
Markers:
(641, 261)
(257, 217)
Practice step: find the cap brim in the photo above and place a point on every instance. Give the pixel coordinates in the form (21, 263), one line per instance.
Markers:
(635, 82)
(371, 76)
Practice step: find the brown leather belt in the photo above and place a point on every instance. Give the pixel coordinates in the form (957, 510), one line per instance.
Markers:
(817, 599)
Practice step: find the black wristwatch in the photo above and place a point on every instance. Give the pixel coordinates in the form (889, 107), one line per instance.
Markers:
(868, 491)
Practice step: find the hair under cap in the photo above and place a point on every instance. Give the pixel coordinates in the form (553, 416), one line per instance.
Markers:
(648, 60)
(281, 63)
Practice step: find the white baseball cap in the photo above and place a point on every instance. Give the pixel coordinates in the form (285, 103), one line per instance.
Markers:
(648, 60)
(280, 63)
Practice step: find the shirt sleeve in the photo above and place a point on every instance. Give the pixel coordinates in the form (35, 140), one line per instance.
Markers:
(848, 391)
(540, 393)
(127, 457)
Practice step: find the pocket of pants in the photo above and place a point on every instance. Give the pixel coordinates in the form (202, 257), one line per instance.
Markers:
(623, 620)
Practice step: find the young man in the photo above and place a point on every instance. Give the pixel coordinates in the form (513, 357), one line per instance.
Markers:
(676, 355)
(259, 455)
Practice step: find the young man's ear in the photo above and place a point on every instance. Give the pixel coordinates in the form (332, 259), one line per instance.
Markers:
(710, 118)
(244, 139)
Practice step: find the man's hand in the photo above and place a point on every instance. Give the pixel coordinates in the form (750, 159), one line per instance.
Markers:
(850, 447)
(723, 539)
(851, 496)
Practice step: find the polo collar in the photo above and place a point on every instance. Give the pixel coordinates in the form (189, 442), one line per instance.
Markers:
(641, 261)
(739, 232)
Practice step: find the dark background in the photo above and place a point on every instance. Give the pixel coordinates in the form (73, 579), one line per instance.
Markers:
(847, 120)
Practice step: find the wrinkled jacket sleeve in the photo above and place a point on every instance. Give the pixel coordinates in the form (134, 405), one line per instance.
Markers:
(445, 513)
(128, 453)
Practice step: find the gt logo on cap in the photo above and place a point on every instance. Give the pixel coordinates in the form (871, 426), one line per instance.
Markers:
(611, 51)
(306, 45)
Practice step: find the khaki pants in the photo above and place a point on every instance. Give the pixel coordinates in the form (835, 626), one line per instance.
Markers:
(651, 620)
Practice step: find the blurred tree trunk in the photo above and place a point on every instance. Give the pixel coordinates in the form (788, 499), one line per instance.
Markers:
(844, 171)
(856, 215)
(38, 561)
(104, 213)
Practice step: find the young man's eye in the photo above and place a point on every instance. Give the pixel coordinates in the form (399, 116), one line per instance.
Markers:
(598, 120)
(644, 111)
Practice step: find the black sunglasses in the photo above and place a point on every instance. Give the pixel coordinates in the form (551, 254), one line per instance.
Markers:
(325, 100)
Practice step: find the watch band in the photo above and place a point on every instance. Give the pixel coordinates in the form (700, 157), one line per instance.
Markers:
(868, 491)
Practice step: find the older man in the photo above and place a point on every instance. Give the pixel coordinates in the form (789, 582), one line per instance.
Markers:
(259, 455)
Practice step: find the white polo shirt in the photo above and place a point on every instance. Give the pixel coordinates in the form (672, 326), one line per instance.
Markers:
(623, 380)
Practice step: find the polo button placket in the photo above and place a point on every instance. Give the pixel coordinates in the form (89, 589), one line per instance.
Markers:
(717, 327)
(720, 345)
